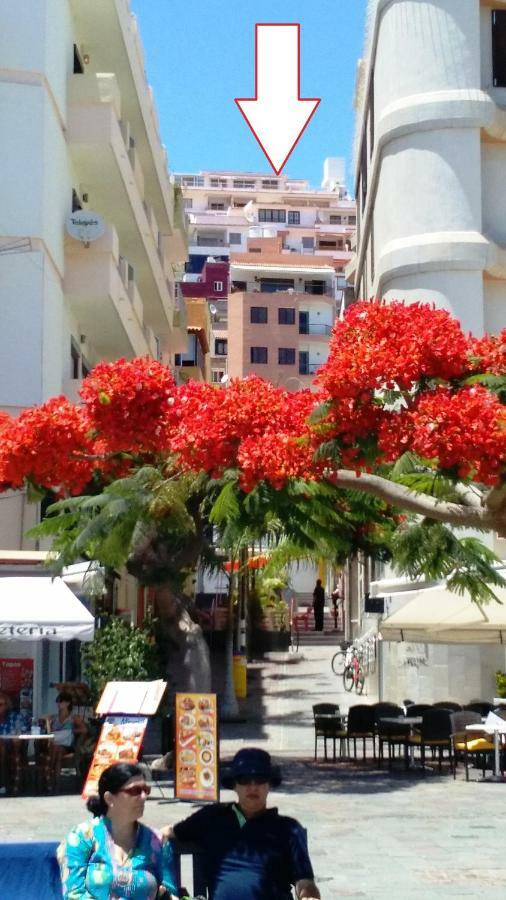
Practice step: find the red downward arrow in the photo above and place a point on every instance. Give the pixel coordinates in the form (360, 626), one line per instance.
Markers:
(277, 115)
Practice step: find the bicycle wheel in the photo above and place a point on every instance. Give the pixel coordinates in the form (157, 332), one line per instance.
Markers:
(359, 681)
(348, 678)
(338, 663)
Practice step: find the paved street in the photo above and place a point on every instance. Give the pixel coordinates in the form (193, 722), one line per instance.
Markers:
(371, 835)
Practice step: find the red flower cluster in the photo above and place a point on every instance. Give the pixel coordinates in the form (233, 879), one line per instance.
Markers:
(488, 354)
(464, 430)
(393, 345)
(284, 450)
(47, 444)
(215, 429)
(128, 403)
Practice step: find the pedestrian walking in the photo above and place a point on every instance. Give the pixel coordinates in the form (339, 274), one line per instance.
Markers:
(250, 851)
(318, 605)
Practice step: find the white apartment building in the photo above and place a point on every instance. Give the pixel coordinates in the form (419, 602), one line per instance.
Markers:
(80, 130)
(431, 192)
(225, 209)
(431, 157)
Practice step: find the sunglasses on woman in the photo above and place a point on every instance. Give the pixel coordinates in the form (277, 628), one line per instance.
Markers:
(136, 790)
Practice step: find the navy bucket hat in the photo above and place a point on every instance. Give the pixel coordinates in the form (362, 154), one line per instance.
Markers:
(252, 762)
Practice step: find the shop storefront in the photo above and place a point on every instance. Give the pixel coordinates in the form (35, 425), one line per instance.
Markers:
(38, 616)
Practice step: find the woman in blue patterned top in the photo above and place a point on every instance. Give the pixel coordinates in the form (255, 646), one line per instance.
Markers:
(114, 856)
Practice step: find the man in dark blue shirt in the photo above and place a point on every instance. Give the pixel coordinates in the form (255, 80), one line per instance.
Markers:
(251, 852)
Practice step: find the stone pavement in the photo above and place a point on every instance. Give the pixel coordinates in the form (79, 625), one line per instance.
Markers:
(371, 834)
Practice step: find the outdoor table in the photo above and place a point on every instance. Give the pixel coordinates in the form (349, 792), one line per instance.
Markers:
(17, 742)
(497, 750)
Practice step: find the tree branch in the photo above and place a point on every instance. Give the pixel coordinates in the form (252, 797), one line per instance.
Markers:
(420, 504)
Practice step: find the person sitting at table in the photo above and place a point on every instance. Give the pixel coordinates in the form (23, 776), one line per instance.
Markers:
(11, 722)
(66, 728)
(114, 855)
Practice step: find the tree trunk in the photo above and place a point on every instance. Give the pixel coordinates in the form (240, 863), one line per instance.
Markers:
(185, 649)
(229, 708)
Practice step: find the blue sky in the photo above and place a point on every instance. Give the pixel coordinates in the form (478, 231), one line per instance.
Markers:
(200, 55)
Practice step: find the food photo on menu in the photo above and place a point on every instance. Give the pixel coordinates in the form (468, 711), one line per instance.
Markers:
(196, 747)
(120, 741)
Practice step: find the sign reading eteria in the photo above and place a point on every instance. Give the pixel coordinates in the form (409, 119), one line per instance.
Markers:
(26, 632)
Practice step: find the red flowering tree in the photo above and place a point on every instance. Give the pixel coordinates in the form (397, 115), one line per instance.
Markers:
(409, 410)
(414, 413)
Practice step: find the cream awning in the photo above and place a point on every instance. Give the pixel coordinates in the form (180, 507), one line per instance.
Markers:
(34, 608)
(437, 616)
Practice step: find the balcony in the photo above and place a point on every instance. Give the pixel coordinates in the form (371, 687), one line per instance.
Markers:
(309, 368)
(314, 328)
(108, 30)
(104, 300)
(105, 159)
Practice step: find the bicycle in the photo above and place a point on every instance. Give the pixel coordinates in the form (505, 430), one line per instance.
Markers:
(341, 659)
(353, 675)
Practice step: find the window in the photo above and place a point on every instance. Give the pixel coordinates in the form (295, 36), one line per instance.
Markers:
(371, 114)
(258, 355)
(220, 346)
(78, 63)
(499, 47)
(218, 182)
(328, 245)
(286, 316)
(217, 206)
(335, 220)
(192, 180)
(75, 358)
(258, 315)
(76, 203)
(270, 184)
(272, 285)
(217, 375)
(308, 243)
(293, 217)
(272, 215)
(286, 356)
(218, 285)
(187, 203)
(352, 220)
(234, 237)
(316, 286)
(243, 184)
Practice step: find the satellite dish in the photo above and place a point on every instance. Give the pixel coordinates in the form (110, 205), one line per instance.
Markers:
(212, 309)
(85, 225)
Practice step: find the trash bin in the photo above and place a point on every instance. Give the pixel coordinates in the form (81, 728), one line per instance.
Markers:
(240, 677)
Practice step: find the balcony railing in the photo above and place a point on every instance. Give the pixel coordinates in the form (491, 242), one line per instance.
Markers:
(308, 368)
(309, 328)
(203, 241)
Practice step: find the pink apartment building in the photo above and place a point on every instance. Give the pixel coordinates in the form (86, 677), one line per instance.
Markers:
(280, 313)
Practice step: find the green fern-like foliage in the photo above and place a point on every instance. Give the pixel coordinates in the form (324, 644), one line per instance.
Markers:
(433, 551)
(146, 521)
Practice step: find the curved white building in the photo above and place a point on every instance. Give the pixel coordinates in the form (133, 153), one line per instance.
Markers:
(431, 157)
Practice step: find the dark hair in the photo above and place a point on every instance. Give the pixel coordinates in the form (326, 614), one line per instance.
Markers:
(112, 779)
(66, 697)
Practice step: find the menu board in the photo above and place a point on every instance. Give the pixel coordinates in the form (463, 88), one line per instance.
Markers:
(197, 750)
(139, 698)
(120, 741)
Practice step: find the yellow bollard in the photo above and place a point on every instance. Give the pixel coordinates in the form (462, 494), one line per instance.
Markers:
(240, 687)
